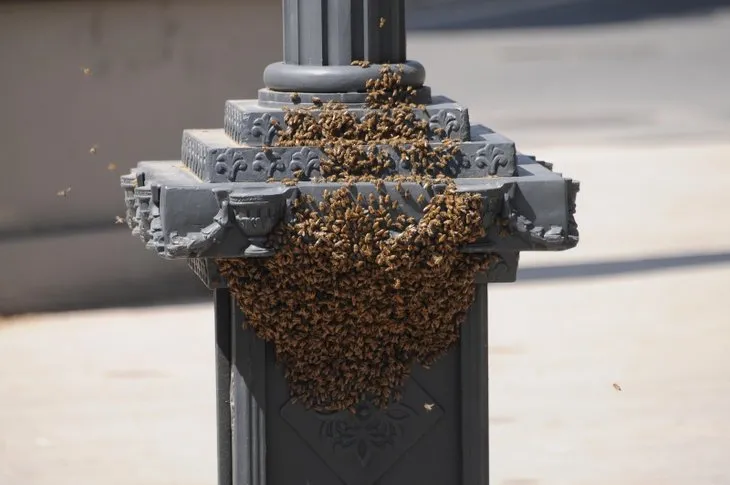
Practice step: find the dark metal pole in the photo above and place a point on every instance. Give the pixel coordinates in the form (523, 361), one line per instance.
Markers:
(337, 32)
(248, 409)
(223, 335)
(323, 37)
(475, 390)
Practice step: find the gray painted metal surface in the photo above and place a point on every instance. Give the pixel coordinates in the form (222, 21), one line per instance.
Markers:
(323, 37)
(438, 433)
(224, 197)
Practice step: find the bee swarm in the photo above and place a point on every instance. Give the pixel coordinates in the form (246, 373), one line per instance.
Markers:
(358, 292)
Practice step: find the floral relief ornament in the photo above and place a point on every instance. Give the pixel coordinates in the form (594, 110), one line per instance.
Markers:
(306, 161)
(366, 430)
(231, 158)
(491, 157)
(268, 161)
(444, 123)
(267, 128)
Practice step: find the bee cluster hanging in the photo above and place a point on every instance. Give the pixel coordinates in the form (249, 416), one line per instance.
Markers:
(357, 292)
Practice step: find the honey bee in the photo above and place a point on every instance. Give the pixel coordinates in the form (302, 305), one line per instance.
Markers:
(381, 22)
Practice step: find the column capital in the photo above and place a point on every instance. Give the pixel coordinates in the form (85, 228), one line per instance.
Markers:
(322, 38)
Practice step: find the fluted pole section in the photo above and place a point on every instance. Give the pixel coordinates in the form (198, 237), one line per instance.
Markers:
(322, 38)
(337, 32)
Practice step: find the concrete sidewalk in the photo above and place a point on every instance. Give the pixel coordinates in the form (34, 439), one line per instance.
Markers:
(127, 396)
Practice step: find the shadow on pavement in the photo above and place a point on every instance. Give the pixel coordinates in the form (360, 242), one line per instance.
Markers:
(510, 14)
(115, 295)
(616, 268)
(190, 290)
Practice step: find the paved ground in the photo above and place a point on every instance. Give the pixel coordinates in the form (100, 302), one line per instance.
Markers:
(127, 395)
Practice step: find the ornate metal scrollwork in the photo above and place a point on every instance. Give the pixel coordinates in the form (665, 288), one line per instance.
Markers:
(192, 245)
(491, 157)
(266, 128)
(230, 163)
(156, 241)
(142, 217)
(307, 161)
(366, 430)
(128, 183)
(445, 123)
(256, 214)
(552, 237)
(268, 161)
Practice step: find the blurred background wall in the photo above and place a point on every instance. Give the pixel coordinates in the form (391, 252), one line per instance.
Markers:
(121, 79)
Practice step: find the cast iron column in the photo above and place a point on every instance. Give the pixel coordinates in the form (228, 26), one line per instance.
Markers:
(322, 38)
(337, 32)
(224, 197)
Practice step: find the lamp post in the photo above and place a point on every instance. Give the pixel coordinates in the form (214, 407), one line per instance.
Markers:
(223, 199)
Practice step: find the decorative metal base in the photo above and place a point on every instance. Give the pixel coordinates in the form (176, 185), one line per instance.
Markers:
(436, 435)
(224, 176)
(257, 252)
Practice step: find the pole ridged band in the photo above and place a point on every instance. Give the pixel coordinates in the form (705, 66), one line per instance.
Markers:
(322, 38)
(334, 79)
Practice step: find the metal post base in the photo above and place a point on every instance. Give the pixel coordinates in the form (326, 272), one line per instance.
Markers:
(437, 435)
